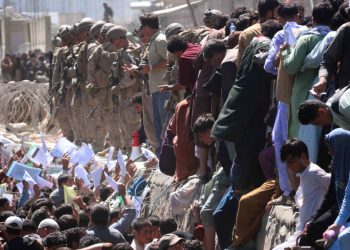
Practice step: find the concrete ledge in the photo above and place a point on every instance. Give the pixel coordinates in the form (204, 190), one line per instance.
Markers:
(276, 227)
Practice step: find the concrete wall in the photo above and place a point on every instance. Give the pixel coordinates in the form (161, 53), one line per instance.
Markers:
(22, 35)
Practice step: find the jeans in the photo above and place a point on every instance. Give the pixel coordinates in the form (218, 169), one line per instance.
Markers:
(159, 116)
(225, 218)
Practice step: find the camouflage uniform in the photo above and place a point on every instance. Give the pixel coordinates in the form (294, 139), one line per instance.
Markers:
(62, 94)
(129, 118)
(99, 71)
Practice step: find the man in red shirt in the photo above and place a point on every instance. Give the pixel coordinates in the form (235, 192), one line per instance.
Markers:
(186, 54)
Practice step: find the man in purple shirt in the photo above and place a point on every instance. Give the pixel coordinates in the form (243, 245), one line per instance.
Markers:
(288, 16)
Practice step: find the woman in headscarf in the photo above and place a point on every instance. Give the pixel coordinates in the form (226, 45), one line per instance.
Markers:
(338, 141)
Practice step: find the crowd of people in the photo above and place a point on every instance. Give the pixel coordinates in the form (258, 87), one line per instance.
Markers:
(25, 66)
(251, 110)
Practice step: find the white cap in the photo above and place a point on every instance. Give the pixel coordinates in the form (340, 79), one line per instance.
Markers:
(50, 223)
(14, 222)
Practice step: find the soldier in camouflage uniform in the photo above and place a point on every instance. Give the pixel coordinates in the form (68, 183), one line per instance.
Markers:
(124, 77)
(79, 102)
(99, 72)
(95, 127)
(61, 78)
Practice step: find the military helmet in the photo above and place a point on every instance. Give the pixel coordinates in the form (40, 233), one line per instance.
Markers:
(74, 29)
(96, 28)
(86, 24)
(116, 32)
(173, 29)
(64, 30)
(105, 28)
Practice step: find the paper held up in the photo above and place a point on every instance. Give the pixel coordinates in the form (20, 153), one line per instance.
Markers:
(69, 194)
(111, 182)
(81, 173)
(96, 176)
(148, 154)
(43, 183)
(121, 163)
(17, 171)
(62, 147)
(29, 179)
(39, 156)
(83, 155)
(109, 159)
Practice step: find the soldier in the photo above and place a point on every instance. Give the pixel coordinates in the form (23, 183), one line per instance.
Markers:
(99, 71)
(60, 79)
(79, 102)
(124, 76)
(95, 127)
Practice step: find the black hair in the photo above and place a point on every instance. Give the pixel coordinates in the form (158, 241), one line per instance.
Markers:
(67, 221)
(192, 245)
(21, 213)
(238, 12)
(140, 223)
(40, 215)
(63, 209)
(5, 214)
(42, 202)
(150, 20)
(212, 47)
(114, 214)
(73, 235)
(203, 123)
(288, 11)
(167, 226)
(308, 110)
(100, 215)
(29, 226)
(155, 220)
(294, 148)
(104, 193)
(3, 201)
(265, 6)
(62, 179)
(137, 99)
(122, 246)
(13, 231)
(322, 13)
(243, 21)
(88, 240)
(83, 219)
(176, 44)
(55, 239)
(270, 28)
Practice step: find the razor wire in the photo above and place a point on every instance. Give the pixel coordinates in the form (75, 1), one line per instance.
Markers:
(26, 102)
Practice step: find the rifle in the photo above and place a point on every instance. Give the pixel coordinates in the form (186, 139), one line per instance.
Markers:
(115, 77)
(174, 97)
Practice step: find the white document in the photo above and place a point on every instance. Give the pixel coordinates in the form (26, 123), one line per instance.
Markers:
(81, 173)
(148, 154)
(29, 179)
(96, 176)
(43, 182)
(83, 155)
(110, 155)
(63, 146)
(111, 182)
(121, 163)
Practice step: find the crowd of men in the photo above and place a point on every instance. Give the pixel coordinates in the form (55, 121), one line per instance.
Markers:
(31, 66)
(251, 110)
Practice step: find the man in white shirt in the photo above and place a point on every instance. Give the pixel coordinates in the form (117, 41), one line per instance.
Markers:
(314, 183)
(142, 231)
